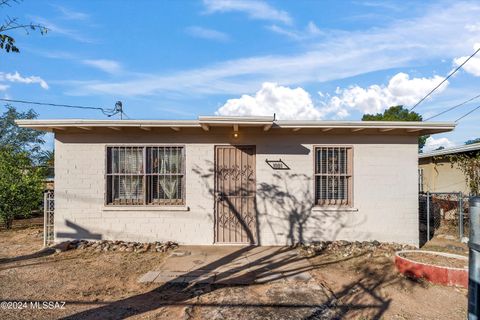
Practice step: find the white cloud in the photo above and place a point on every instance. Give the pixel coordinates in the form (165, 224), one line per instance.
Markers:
(380, 4)
(289, 103)
(475, 27)
(400, 90)
(55, 29)
(55, 54)
(109, 66)
(205, 33)
(255, 9)
(285, 32)
(311, 30)
(70, 14)
(16, 77)
(4, 87)
(285, 102)
(440, 33)
(432, 144)
(473, 65)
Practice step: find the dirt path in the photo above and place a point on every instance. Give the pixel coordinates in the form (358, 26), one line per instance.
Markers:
(367, 286)
(83, 279)
(359, 285)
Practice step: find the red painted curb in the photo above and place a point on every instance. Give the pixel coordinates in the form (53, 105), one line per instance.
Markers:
(433, 273)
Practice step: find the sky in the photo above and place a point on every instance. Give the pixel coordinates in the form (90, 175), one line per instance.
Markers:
(325, 60)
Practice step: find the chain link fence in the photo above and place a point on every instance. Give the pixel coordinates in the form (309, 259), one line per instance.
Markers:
(443, 214)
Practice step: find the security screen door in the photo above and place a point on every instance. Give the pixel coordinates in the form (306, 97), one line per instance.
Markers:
(235, 217)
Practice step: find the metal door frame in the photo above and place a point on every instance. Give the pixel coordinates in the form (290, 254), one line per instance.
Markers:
(255, 228)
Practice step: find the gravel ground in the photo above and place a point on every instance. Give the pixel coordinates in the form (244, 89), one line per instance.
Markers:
(349, 281)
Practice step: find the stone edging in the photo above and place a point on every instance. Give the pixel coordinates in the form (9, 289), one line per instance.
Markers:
(115, 245)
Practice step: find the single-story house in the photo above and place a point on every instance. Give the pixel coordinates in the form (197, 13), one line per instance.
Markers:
(230, 180)
(438, 173)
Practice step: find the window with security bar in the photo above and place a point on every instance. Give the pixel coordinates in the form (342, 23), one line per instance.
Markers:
(145, 175)
(333, 176)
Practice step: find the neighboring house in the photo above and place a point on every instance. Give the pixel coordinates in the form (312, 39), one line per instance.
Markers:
(438, 174)
(220, 180)
(50, 178)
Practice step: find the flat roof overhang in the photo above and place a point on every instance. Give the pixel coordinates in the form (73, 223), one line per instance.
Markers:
(263, 123)
(459, 149)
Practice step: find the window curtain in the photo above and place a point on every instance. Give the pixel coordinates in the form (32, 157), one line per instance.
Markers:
(170, 164)
(128, 161)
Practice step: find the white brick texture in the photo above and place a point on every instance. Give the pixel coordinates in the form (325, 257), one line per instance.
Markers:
(384, 188)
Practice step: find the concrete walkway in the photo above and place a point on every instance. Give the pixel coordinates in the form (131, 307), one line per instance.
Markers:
(232, 265)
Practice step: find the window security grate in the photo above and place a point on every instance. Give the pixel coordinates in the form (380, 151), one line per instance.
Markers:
(333, 175)
(145, 175)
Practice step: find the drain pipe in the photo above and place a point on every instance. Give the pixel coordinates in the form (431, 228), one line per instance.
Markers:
(474, 261)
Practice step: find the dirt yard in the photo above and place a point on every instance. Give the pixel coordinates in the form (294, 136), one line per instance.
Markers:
(360, 285)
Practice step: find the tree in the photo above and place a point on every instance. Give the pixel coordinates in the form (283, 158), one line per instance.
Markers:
(397, 113)
(472, 141)
(7, 42)
(21, 139)
(469, 164)
(47, 158)
(21, 185)
(21, 179)
(440, 148)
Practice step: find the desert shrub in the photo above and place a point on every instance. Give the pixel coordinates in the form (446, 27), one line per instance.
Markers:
(21, 185)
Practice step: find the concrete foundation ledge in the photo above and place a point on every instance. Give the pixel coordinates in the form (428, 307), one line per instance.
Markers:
(145, 208)
(432, 272)
(334, 209)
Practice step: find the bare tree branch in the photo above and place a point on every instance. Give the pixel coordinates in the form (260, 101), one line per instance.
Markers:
(7, 42)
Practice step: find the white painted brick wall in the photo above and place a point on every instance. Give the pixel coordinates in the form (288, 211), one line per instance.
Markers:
(385, 188)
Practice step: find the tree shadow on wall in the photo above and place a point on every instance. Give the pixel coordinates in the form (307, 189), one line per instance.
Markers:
(288, 204)
(208, 177)
(285, 205)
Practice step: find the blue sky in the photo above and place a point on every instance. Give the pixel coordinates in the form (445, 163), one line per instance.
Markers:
(299, 59)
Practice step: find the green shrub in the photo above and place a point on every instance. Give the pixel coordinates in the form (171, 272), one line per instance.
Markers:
(21, 185)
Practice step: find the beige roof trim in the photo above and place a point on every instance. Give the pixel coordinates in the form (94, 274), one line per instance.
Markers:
(365, 124)
(239, 120)
(267, 123)
(464, 148)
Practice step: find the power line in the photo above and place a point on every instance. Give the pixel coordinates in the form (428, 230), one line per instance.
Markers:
(446, 78)
(125, 115)
(107, 112)
(469, 112)
(454, 107)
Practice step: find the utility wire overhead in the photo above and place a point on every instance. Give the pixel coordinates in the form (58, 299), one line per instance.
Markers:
(454, 107)
(446, 78)
(107, 112)
(125, 115)
(468, 113)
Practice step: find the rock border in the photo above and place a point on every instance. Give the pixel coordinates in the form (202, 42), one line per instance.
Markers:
(115, 246)
(448, 276)
(349, 248)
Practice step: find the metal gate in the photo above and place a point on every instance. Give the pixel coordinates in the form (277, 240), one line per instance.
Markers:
(48, 221)
(235, 218)
(443, 214)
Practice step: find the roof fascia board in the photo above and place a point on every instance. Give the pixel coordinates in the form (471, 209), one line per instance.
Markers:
(464, 148)
(411, 127)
